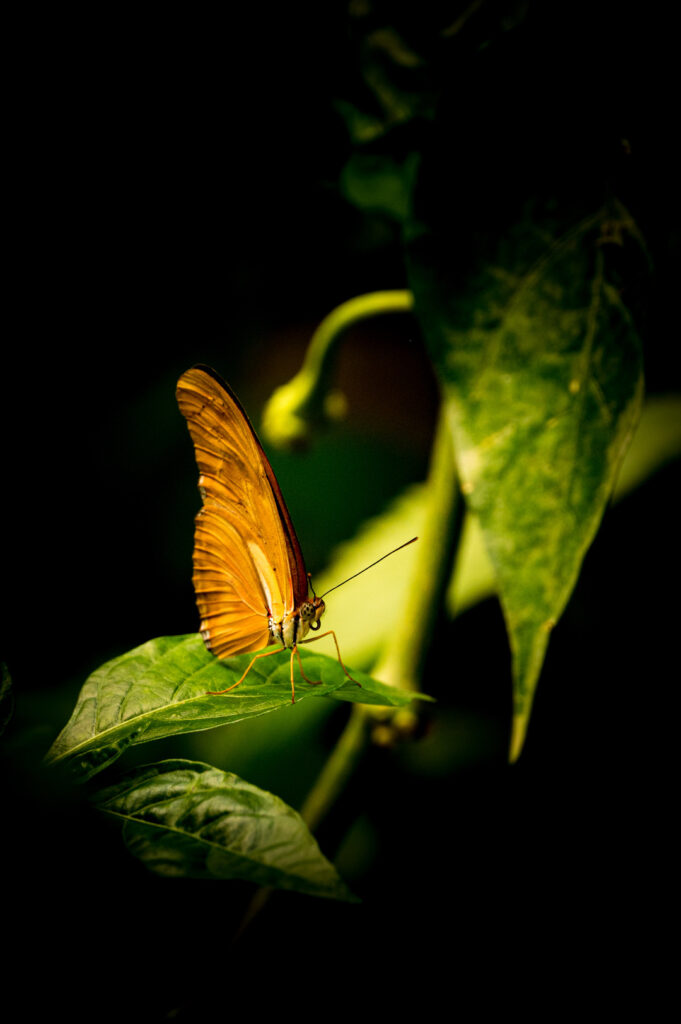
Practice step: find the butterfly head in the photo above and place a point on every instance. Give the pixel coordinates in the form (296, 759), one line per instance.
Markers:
(311, 612)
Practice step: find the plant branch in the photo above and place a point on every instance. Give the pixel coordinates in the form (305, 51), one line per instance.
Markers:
(308, 401)
(403, 661)
(289, 415)
(338, 768)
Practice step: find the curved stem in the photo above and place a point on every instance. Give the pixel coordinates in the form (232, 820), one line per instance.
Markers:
(404, 660)
(308, 401)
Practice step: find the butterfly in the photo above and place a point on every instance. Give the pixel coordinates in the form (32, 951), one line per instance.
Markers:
(252, 589)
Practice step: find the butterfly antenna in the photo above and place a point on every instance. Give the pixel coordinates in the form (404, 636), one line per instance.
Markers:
(309, 579)
(406, 544)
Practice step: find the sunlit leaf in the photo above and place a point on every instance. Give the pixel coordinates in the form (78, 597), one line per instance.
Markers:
(188, 819)
(160, 689)
(363, 610)
(541, 366)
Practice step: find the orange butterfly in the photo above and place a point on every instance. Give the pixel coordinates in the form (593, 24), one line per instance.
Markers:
(249, 574)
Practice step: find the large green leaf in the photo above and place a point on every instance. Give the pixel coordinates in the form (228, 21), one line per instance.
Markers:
(656, 441)
(160, 689)
(541, 368)
(188, 819)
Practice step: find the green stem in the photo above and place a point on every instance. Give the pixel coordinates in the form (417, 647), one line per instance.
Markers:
(308, 401)
(403, 661)
(289, 416)
(338, 768)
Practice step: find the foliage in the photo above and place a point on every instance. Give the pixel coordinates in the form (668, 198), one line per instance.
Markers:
(530, 278)
(163, 689)
(542, 370)
(183, 818)
(506, 166)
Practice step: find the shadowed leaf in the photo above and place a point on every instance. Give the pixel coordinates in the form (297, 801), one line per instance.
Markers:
(187, 819)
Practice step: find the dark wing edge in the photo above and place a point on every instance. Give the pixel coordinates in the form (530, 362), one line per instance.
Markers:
(297, 562)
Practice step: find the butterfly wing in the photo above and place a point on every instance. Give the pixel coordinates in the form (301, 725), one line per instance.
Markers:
(248, 565)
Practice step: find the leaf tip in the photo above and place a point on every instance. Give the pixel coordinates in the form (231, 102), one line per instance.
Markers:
(518, 733)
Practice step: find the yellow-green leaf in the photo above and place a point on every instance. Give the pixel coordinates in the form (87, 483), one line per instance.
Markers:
(161, 689)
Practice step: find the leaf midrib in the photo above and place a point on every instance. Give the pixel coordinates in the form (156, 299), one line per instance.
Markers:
(111, 731)
(206, 842)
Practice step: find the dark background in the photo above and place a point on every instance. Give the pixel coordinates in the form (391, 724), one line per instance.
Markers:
(175, 198)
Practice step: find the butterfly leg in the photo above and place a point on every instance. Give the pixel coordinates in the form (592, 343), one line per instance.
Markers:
(312, 682)
(266, 654)
(294, 650)
(330, 632)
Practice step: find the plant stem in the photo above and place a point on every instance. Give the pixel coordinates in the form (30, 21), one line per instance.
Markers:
(338, 768)
(307, 401)
(289, 415)
(403, 661)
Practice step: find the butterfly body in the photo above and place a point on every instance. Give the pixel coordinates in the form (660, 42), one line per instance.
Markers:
(293, 628)
(249, 574)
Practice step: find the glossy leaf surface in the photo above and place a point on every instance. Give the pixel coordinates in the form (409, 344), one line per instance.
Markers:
(160, 689)
(187, 819)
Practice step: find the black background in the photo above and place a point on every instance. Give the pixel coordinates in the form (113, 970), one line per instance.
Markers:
(175, 199)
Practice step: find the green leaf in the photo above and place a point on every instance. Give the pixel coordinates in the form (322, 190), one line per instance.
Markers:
(160, 689)
(379, 184)
(541, 368)
(187, 819)
(362, 637)
(363, 612)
